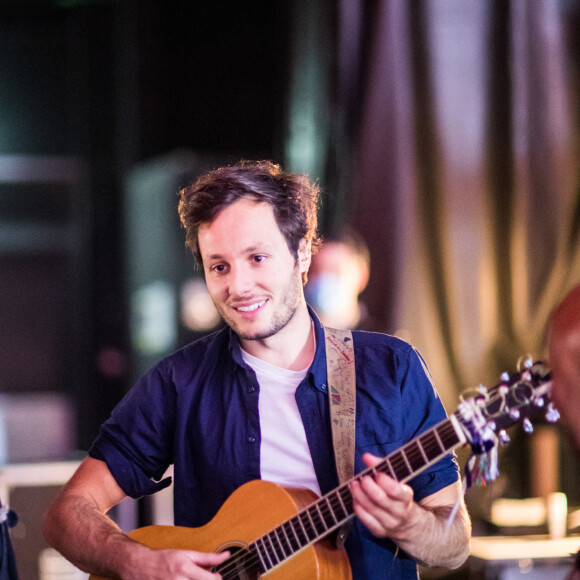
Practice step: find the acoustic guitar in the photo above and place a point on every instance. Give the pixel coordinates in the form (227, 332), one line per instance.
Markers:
(286, 533)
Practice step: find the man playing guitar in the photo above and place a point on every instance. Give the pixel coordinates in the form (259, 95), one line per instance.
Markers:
(250, 402)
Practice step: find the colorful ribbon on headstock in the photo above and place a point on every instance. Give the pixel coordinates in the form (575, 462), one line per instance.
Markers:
(486, 414)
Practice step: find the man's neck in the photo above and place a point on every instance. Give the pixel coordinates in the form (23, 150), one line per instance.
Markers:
(291, 348)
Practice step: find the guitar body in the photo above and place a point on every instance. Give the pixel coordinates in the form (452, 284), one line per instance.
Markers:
(251, 511)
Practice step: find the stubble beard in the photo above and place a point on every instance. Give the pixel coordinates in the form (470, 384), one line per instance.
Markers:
(283, 315)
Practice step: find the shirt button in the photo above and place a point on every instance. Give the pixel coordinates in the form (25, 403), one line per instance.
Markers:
(323, 387)
(251, 389)
(251, 439)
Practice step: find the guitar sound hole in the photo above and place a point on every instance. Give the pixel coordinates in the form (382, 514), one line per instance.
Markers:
(242, 564)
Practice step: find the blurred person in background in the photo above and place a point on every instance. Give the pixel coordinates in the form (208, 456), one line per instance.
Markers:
(338, 274)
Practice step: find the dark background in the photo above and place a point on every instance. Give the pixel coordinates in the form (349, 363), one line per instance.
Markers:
(100, 86)
(92, 93)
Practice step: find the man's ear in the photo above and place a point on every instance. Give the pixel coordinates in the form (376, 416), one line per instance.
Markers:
(304, 255)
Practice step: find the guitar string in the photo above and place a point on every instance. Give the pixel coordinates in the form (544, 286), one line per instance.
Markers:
(252, 557)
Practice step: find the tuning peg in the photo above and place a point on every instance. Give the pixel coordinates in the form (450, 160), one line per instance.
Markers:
(504, 438)
(480, 402)
(539, 402)
(552, 414)
(527, 425)
(505, 376)
(525, 362)
(514, 414)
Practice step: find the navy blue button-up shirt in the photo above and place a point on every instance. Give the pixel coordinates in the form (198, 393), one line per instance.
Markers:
(198, 410)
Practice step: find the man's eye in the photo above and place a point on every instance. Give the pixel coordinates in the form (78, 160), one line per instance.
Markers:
(259, 258)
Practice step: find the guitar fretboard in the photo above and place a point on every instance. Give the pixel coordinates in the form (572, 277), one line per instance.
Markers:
(334, 509)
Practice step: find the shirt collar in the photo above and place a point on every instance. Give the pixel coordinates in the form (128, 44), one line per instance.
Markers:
(236, 349)
(317, 370)
(318, 367)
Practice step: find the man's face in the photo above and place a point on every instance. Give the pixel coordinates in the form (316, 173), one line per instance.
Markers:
(252, 277)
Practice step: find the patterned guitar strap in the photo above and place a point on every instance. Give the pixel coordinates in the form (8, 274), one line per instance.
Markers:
(342, 400)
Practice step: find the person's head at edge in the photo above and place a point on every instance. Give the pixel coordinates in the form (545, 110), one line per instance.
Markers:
(564, 359)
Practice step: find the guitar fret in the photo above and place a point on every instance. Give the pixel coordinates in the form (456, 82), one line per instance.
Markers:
(313, 531)
(448, 435)
(287, 543)
(308, 526)
(283, 550)
(317, 520)
(263, 553)
(293, 537)
(346, 500)
(404, 455)
(332, 506)
(422, 451)
(431, 445)
(271, 549)
(400, 465)
(338, 507)
(391, 470)
(302, 535)
(327, 512)
(439, 440)
(269, 541)
(414, 456)
(324, 522)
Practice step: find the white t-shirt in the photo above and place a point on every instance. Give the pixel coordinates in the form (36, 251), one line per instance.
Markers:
(284, 454)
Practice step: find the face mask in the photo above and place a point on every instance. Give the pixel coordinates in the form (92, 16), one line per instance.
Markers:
(327, 294)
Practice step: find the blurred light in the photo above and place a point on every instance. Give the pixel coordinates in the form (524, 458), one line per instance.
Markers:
(198, 311)
(153, 312)
(111, 362)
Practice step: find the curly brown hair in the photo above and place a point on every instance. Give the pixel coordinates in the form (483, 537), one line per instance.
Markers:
(293, 197)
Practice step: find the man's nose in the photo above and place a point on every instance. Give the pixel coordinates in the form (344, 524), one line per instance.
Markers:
(241, 280)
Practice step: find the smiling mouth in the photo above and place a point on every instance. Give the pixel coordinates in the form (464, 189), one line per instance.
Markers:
(251, 307)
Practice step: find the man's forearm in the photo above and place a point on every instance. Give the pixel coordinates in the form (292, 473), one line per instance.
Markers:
(88, 538)
(435, 542)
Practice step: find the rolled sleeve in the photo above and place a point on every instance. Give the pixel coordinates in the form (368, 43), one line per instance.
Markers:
(135, 442)
(131, 479)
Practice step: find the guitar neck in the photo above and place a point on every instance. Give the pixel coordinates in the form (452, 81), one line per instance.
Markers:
(334, 509)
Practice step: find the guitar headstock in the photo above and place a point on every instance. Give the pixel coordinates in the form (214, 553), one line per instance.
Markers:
(485, 414)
